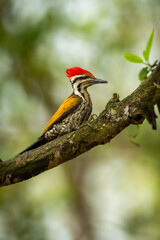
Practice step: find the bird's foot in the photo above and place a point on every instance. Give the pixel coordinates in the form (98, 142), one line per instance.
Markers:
(88, 124)
(92, 118)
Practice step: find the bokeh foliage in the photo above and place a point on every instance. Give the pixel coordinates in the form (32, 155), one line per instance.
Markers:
(113, 191)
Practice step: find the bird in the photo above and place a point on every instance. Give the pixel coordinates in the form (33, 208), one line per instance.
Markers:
(74, 111)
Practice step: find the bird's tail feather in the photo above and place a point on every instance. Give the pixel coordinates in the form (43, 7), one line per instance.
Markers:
(34, 145)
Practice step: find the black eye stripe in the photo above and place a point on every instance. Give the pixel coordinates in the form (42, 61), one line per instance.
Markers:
(80, 78)
(83, 77)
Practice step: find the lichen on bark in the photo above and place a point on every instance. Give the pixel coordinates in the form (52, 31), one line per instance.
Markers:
(116, 116)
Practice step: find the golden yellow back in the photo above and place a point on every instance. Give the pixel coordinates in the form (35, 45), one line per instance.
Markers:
(66, 107)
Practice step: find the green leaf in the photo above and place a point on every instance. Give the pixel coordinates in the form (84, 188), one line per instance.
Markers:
(148, 47)
(143, 74)
(133, 58)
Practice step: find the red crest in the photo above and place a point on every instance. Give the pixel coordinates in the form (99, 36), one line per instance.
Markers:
(71, 72)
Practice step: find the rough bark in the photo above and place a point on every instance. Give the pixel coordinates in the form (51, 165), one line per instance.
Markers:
(116, 116)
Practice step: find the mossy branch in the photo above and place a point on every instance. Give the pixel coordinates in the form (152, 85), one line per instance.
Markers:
(116, 117)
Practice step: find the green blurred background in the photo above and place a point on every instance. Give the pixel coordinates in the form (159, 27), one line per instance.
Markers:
(113, 191)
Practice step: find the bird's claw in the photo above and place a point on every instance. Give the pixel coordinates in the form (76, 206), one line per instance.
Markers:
(92, 117)
(88, 124)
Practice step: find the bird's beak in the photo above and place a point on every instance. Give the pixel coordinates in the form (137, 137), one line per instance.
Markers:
(97, 80)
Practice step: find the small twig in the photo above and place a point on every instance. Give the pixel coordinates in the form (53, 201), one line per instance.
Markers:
(106, 126)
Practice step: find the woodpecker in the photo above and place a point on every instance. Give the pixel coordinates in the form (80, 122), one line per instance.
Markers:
(74, 111)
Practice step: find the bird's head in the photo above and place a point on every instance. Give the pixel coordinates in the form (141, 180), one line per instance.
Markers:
(81, 78)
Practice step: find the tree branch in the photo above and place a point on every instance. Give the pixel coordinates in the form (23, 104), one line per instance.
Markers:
(116, 116)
